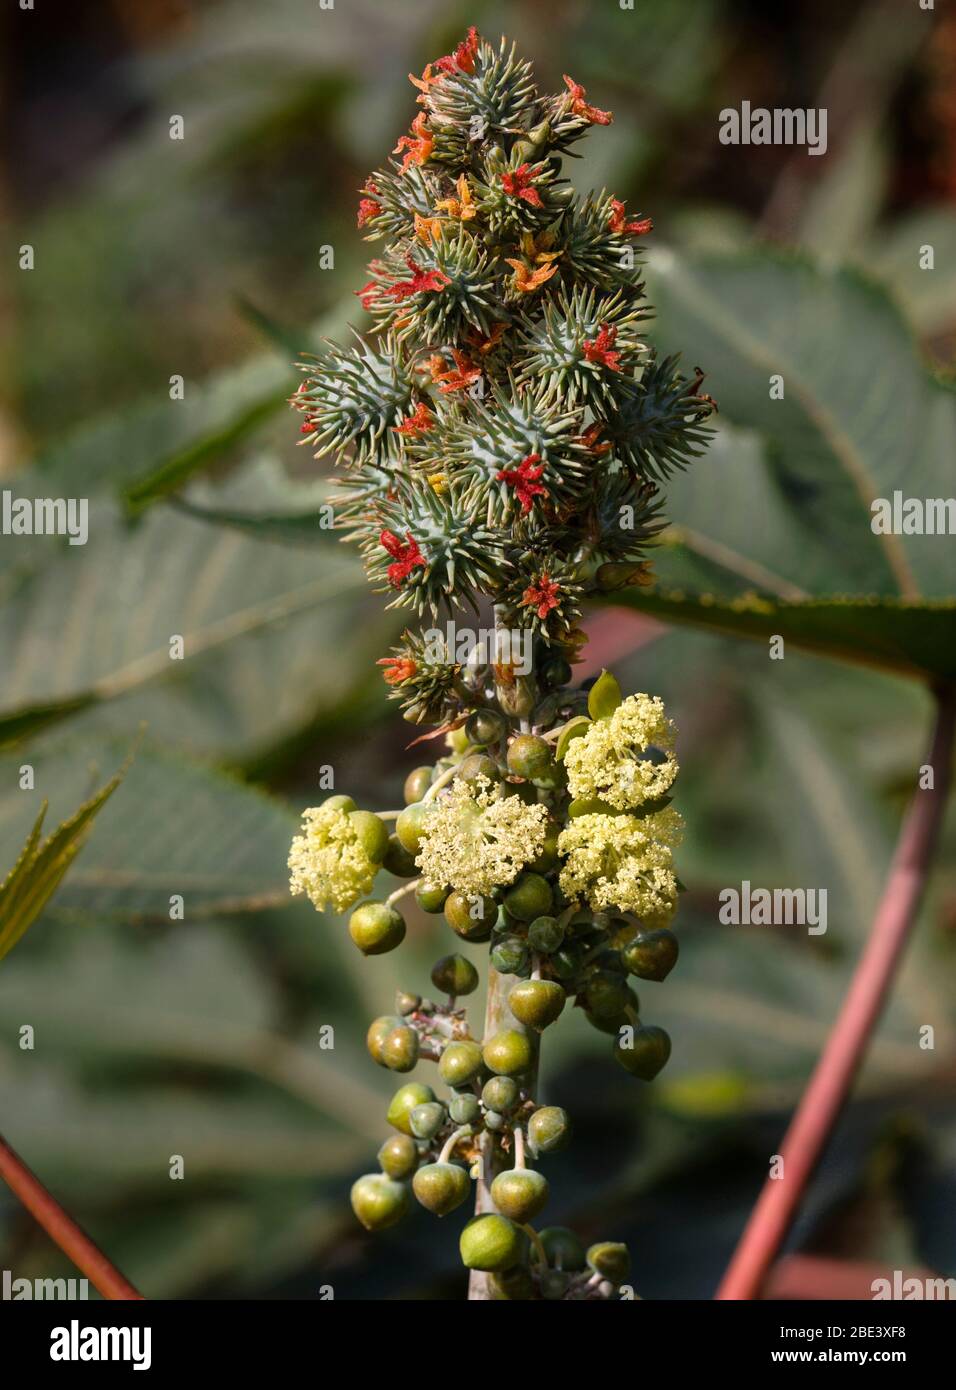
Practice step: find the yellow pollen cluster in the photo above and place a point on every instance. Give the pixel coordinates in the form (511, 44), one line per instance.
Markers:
(328, 861)
(623, 862)
(476, 839)
(607, 762)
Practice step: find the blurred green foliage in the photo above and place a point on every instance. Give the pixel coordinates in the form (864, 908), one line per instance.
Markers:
(200, 258)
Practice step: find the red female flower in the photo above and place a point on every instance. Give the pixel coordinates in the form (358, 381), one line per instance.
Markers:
(599, 349)
(421, 280)
(524, 480)
(519, 185)
(581, 108)
(543, 595)
(418, 145)
(463, 58)
(406, 556)
(460, 377)
(368, 207)
(397, 669)
(367, 293)
(617, 222)
(413, 425)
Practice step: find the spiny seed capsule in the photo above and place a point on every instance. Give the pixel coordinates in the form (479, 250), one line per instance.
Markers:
(486, 726)
(563, 1248)
(431, 899)
(549, 1130)
(647, 1054)
(372, 833)
(501, 1094)
(460, 1063)
(490, 1242)
(508, 1053)
(379, 1030)
(464, 1108)
(410, 824)
(472, 918)
(379, 1201)
(441, 1187)
(398, 1156)
(400, 1049)
(536, 1003)
(529, 898)
(397, 859)
(454, 975)
(509, 955)
(426, 1120)
(376, 928)
(416, 784)
(520, 1193)
(611, 1259)
(651, 955)
(403, 1102)
(545, 935)
(478, 765)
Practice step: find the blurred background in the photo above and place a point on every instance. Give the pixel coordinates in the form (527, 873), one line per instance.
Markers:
(200, 258)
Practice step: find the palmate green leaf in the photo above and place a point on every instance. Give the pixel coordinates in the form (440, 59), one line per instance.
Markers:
(772, 531)
(180, 828)
(38, 872)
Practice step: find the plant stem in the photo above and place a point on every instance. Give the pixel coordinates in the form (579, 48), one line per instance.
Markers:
(497, 1016)
(62, 1229)
(833, 1076)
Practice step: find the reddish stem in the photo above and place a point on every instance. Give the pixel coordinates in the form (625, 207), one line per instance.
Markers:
(61, 1227)
(833, 1076)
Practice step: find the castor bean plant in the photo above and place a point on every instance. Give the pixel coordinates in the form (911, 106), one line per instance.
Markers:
(502, 435)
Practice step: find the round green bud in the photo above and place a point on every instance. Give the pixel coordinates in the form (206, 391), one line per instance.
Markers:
(610, 1259)
(478, 765)
(605, 994)
(372, 833)
(545, 935)
(441, 1187)
(464, 1108)
(514, 1284)
(564, 962)
(376, 928)
(458, 740)
(416, 784)
(554, 673)
(524, 791)
(460, 1063)
(529, 898)
(548, 858)
(508, 1053)
(397, 859)
(501, 1094)
(509, 955)
(406, 1003)
(400, 1049)
(549, 1130)
(536, 1003)
(651, 955)
(378, 1031)
(427, 1119)
(490, 1242)
(403, 1102)
(408, 827)
(486, 726)
(472, 918)
(530, 757)
(454, 975)
(398, 1156)
(495, 1121)
(338, 803)
(615, 1023)
(553, 1284)
(430, 899)
(646, 1055)
(563, 1248)
(379, 1201)
(520, 1193)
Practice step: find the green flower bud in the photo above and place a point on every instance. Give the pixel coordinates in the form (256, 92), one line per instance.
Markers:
(486, 726)
(605, 994)
(403, 1102)
(339, 803)
(545, 935)
(464, 1108)
(471, 918)
(406, 1003)
(647, 1055)
(478, 765)
(460, 1063)
(530, 897)
(610, 1259)
(379, 1201)
(372, 834)
(378, 1031)
(376, 928)
(398, 1156)
(509, 955)
(397, 859)
(441, 1187)
(536, 1003)
(454, 975)
(400, 1049)
(501, 1094)
(563, 1248)
(508, 1053)
(427, 1119)
(408, 827)
(531, 757)
(554, 673)
(549, 858)
(651, 955)
(431, 899)
(490, 1242)
(549, 1130)
(519, 1194)
(416, 784)
(514, 1284)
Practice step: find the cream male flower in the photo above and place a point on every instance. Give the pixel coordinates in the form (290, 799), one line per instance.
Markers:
(623, 862)
(330, 860)
(609, 762)
(476, 839)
